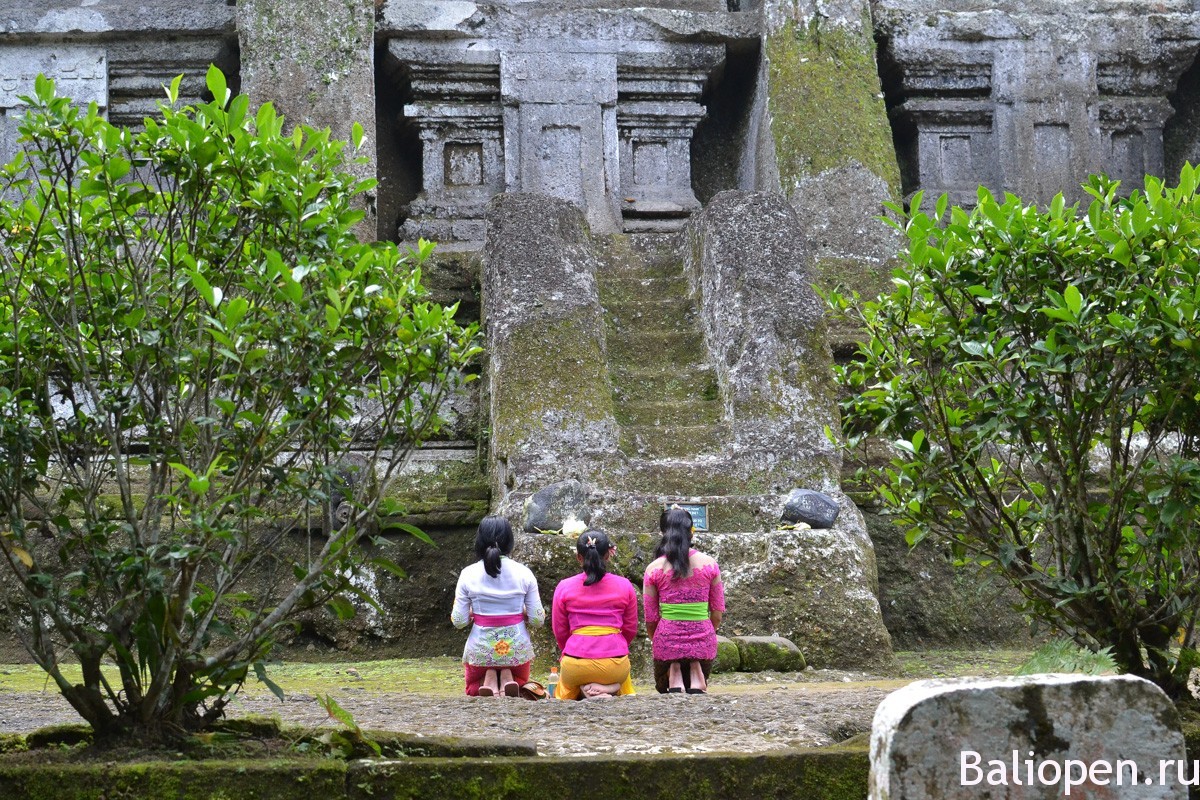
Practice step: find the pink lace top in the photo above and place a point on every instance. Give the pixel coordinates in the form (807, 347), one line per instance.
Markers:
(683, 639)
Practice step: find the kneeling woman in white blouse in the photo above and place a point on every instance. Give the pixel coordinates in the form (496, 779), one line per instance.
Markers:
(500, 596)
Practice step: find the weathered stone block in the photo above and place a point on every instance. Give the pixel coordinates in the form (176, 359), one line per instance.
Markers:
(1040, 736)
(763, 653)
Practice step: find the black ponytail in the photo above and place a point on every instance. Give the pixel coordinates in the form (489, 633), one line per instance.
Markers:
(676, 543)
(593, 546)
(493, 539)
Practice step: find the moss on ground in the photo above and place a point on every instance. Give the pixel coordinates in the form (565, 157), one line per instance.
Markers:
(827, 105)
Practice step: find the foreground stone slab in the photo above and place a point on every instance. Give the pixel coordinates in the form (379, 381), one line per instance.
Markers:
(825, 774)
(1038, 736)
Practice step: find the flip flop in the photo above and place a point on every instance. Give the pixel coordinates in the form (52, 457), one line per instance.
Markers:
(675, 690)
(486, 691)
(697, 691)
(511, 689)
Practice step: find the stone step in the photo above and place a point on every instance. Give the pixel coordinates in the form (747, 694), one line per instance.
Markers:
(689, 412)
(659, 318)
(628, 348)
(672, 441)
(696, 380)
(638, 256)
(618, 289)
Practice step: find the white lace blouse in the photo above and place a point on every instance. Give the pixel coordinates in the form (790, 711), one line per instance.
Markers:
(513, 591)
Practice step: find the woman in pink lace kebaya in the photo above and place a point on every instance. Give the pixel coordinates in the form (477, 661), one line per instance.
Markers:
(684, 600)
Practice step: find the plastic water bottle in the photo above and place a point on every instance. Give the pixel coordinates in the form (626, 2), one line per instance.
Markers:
(552, 684)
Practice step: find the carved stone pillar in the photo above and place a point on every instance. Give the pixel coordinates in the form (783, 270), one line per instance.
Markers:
(560, 130)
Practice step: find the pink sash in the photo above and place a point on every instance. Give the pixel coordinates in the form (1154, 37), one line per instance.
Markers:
(498, 620)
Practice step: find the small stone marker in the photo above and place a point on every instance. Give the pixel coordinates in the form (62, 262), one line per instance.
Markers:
(816, 509)
(1040, 736)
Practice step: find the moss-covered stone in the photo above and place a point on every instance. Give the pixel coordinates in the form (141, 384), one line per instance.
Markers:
(254, 725)
(768, 653)
(180, 780)
(544, 362)
(810, 774)
(729, 656)
(67, 735)
(814, 774)
(928, 602)
(826, 103)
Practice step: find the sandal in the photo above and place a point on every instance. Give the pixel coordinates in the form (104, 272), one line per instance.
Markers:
(533, 691)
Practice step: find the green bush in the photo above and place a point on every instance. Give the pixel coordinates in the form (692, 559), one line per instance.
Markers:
(199, 358)
(1038, 373)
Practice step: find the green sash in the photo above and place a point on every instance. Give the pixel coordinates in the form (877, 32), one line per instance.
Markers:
(684, 611)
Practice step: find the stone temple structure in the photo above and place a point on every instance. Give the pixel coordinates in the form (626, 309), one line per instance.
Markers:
(636, 198)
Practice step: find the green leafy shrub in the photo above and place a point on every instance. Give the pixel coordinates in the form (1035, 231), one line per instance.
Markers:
(199, 359)
(1038, 373)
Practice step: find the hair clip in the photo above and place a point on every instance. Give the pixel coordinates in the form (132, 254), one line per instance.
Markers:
(591, 541)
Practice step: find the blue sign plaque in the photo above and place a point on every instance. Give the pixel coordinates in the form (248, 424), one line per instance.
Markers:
(699, 512)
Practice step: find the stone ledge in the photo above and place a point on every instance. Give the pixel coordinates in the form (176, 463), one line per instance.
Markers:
(814, 774)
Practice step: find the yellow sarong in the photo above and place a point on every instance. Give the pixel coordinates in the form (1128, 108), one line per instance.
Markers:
(575, 672)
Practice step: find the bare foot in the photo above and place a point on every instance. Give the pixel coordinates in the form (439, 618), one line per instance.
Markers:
(674, 678)
(507, 685)
(594, 690)
(696, 676)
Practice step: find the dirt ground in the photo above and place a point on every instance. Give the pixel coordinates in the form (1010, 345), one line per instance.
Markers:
(743, 712)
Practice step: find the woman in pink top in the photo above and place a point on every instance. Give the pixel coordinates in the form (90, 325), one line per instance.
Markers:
(594, 618)
(684, 600)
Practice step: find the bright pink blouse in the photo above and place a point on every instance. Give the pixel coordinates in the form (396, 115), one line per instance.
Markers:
(610, 601)
(683, 639)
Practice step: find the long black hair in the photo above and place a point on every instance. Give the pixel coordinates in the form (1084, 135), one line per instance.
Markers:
(676, 543)
(593, 546)
(493, 539)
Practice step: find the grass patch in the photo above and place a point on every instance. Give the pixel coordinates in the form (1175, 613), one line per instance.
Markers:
(433, 676)
(918, 664)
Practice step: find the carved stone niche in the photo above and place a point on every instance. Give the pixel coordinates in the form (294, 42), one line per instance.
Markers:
(657, 115)
(955, 149)
(455, 105)
(79, 71)
(1067, 91)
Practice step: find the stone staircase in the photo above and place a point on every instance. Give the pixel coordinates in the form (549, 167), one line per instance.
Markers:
(665, 394)
(664, 389)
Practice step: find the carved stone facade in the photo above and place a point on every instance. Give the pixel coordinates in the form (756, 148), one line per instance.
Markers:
(1032, 97)
(110, 53)
(601, 115)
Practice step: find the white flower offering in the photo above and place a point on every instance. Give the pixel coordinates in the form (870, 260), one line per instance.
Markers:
(572, 526)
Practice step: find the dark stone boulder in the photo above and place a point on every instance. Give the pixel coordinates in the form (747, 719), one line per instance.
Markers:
(816, 509)
(547, 508)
